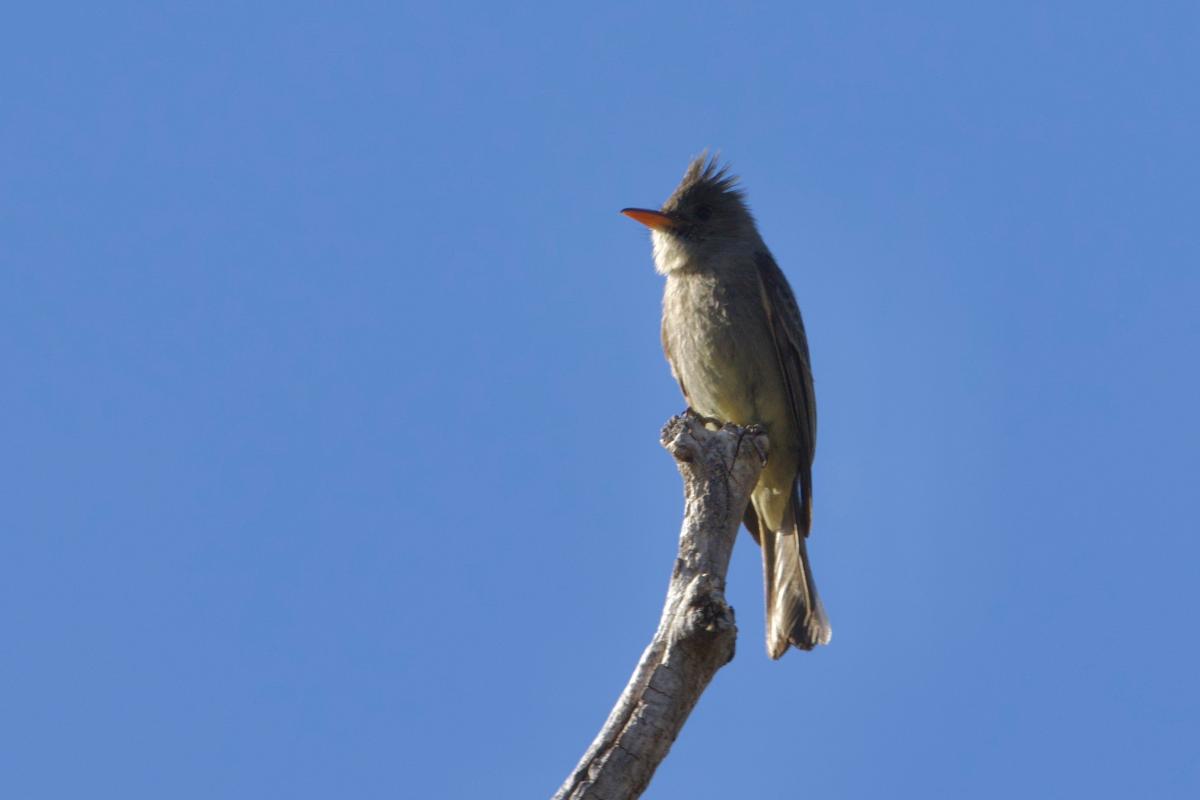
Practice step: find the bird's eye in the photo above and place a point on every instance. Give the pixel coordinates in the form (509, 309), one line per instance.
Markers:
(703, 213)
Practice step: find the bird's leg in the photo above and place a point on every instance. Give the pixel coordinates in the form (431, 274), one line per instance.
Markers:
(753, 431)
(703, 420)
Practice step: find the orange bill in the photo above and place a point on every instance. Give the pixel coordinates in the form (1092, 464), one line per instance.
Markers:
(651, 219)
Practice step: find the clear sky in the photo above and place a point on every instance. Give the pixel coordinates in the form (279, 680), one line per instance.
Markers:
(332, 388)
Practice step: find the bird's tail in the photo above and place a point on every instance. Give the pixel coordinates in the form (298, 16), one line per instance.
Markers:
(794, 611)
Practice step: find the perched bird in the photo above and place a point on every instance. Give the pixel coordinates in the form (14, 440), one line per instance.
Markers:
(733, 335)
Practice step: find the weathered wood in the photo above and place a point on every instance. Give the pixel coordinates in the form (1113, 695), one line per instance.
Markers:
(696, 634)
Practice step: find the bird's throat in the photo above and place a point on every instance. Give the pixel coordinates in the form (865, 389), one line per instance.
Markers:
(670, 254)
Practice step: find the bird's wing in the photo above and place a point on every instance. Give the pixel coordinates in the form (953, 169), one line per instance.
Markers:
(666, 344)
(791, 347)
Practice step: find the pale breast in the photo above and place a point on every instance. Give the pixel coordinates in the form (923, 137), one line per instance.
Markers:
(713, 334)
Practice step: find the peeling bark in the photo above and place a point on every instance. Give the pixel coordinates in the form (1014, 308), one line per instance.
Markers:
(696, 634)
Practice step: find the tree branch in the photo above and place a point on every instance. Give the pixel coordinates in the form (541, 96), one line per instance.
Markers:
(696, 633)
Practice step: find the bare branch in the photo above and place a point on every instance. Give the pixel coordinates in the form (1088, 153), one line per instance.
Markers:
(696, 634)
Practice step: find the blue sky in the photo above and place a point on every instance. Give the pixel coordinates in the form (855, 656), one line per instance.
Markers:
(333, 388)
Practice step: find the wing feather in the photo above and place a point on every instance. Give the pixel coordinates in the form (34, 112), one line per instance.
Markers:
(666, 345)
(791, 347)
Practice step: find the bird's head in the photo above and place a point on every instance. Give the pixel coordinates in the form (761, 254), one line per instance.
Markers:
(704, 216)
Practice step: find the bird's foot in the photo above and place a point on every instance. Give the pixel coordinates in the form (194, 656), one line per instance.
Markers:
(703, 420)
(754, 432)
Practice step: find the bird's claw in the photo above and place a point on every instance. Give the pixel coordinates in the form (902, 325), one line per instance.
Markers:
(753, 431)
(703, 420)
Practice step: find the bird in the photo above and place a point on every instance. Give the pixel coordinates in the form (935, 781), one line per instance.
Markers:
(735, 341)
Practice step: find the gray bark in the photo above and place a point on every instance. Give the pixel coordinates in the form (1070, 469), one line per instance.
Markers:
(696, 633)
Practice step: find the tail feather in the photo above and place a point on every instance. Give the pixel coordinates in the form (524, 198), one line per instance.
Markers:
(795, 614)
